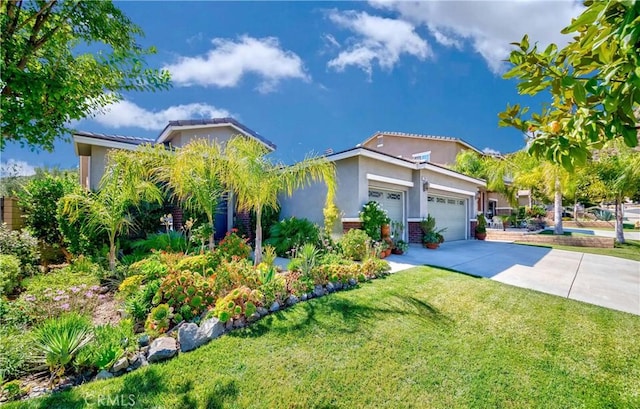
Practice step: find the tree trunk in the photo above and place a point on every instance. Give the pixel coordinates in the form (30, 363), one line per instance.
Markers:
(557, 207)
(112, 254)
(575, 211)
(257, 256)
(619, 221)
(212, 243)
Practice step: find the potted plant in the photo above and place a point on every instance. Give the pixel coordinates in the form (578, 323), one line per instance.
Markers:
(401, 247)
(373, 217)
(481, 227)
(431, 236)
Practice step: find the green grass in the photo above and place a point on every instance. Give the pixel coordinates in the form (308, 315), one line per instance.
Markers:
(629, 250)
(420, 338)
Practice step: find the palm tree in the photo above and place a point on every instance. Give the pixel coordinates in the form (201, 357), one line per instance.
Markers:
(256, 181)
(125, 183)
(618, 169)
(192, 174)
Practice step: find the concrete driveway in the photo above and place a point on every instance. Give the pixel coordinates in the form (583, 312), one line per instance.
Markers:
(601, 280)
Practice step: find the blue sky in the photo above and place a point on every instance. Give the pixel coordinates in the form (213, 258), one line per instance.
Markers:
(316, 75)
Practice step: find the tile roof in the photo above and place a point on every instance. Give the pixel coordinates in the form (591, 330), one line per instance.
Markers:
(134, 140)
(424, 136)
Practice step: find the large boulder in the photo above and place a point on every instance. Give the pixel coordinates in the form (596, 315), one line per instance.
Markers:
(190, 337)
(162, 348)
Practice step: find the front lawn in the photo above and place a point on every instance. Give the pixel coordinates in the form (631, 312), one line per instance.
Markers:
(629, 250)
(420, 338)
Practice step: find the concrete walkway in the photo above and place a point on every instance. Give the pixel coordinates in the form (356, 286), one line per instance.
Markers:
(607, 281)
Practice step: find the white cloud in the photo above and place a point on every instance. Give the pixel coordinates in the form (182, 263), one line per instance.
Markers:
(377, 39)
(14, 167)
(226, 64)
(490, 151)
(489, 26)
(127, 114)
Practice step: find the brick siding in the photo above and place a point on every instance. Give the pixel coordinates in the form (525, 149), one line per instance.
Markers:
(415, 232)
(346, 226)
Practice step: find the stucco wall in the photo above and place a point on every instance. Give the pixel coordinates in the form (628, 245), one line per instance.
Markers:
(222, 134)
(442, 152)
(98, 163)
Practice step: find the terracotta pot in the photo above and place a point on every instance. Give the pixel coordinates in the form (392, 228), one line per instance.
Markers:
(387, 252)
(431, 246)
(382, 254)
(397, 251)
(481, 236)
(385, 230)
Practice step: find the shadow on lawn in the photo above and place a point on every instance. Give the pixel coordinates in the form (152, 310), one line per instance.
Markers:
(341, 314)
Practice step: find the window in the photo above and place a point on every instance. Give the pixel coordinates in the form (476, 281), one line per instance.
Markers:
(422, 156)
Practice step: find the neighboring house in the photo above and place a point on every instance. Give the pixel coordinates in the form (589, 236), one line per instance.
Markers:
(92, 149)
(441, 150)
(407, 189)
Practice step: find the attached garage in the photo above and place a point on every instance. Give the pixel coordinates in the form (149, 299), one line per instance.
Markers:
(450, 212)
(390, 200)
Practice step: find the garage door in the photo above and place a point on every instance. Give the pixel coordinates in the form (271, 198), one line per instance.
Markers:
(391, 201)
(450, 213)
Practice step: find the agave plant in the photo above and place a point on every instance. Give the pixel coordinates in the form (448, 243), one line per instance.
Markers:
(58, 341)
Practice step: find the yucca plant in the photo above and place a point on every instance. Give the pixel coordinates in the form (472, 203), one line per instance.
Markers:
(58, 341)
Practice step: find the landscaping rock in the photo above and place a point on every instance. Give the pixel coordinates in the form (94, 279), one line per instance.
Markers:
(104, 374)
(338, 285)
(162, 348)
(143, 341)
(303, 297)
(318, 291)
(212, 328)
(190, 337)
(353, 281)
(228, 326)
(239, 323)
(253, 317)
(330, 287)
(137, 361)
(120, 365)
(274, 307)
(292, 300)
(262, 311)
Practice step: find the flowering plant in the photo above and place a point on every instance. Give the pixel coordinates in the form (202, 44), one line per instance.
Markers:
(234, 245)
(373, 217)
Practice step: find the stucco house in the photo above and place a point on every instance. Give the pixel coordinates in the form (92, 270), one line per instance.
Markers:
(441, 150)
(408, 189)
(92, 149)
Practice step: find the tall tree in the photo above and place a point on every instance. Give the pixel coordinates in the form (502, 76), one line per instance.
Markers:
(126, 182)
(594, 83)
(256, 180)
(47, 76)
(618, 169)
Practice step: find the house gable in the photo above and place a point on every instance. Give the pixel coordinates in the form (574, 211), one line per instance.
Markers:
(436, 149)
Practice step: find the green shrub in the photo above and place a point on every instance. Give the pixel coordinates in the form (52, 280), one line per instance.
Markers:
(269, 255)
(204, 264)
(355, 244)
(130, 285)
(375, 267)
(13, 314)
(234, 273)
(39, 200)
(241, 301)
(159, 320)
(138, 305)
(110, 343)
(77, 235)
(9, 273)
(339, 272)
(14, 358)
(171, 241)
(22, 245)
(233, 246)
(274, 290)
(12, 390)
(373, 216)
(291, 233)
(151, 268)
(58, 341)
(182, 289)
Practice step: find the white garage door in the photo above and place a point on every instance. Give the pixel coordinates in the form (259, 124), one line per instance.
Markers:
(450, 213)
(391, 201)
